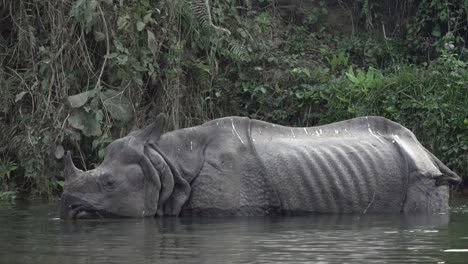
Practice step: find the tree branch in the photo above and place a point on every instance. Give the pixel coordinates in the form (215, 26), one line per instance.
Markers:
(210, 21)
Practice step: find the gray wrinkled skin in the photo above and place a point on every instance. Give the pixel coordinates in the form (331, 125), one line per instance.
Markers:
(238, 166)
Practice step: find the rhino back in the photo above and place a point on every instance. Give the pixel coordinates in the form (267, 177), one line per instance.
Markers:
(350, 166)
(335, 176)
(251, 167)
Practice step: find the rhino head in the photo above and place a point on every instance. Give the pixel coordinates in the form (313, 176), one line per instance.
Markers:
(126, 184)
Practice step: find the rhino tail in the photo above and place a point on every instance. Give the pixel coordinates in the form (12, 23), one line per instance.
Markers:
(423, 163)
(447, 176)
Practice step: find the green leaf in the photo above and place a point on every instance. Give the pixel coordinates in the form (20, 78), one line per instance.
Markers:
(101, 153)
(120, 47)
(76, 121)
(19, 96)
(59, 151)
(60, 183)
(45, 84)
(152, 43)
(42, 67)
(78, 100)
(342, 98)
(95, 143)
(299, 95)
(99, 36)
(147, 18)
(75, 11)
(122, 60)
(92, 127)
(351, 76)
(390, 109)
(111, 55)
(99, 116)
(361, 77)
(7, 196)
(370, 74)
(94, 104)
(122, 21)
(242, 32)
(118, 106)
(86, 123)
(140, 25)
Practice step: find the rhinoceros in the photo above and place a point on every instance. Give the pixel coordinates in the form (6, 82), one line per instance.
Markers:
(236, 166)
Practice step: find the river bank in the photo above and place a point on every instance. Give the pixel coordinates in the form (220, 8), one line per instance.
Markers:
(76, 75)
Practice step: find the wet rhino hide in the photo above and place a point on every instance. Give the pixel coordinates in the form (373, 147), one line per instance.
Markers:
(238, 166)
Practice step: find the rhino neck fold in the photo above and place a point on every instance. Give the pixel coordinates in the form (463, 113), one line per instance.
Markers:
(183, 152)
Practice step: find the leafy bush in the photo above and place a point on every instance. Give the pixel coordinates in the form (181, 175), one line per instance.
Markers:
(77, 74)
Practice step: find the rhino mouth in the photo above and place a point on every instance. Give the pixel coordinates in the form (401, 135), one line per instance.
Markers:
(75, 208)
(78, 211)
(83, 212)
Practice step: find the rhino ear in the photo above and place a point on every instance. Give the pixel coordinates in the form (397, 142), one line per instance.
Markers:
(152, 132)
(70, 171)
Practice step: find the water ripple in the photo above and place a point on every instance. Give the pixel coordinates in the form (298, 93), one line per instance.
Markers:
(35, 235)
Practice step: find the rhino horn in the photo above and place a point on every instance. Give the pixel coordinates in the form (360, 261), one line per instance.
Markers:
(70, 171)
(152, 132)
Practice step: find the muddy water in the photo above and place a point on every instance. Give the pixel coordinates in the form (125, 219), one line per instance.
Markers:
(32, 233)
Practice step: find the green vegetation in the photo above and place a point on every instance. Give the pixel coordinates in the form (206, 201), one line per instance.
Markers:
(77, 74)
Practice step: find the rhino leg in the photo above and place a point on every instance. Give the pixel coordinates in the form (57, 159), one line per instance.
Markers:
(425, 196)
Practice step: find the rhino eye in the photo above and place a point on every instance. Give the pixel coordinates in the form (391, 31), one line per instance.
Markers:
(107, 182)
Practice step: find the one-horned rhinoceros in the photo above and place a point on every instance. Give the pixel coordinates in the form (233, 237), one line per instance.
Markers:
(238, 166)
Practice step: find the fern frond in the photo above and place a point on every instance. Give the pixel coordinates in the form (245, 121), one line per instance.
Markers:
(201, 9)
(237, 49)
(202, 74)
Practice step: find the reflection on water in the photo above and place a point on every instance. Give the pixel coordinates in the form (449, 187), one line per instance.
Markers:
(34, 234)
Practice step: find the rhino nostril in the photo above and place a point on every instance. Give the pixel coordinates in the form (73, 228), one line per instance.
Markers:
(74, 206)
(84, 214)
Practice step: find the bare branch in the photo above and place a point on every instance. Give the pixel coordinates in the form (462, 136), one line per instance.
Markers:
(210, 21)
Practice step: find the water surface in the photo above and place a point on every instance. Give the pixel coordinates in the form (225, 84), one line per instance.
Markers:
(32, 233)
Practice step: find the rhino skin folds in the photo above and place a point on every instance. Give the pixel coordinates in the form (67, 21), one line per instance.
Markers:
(242, 167)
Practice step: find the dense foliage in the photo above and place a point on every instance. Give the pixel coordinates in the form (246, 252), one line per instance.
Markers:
(76, 74)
